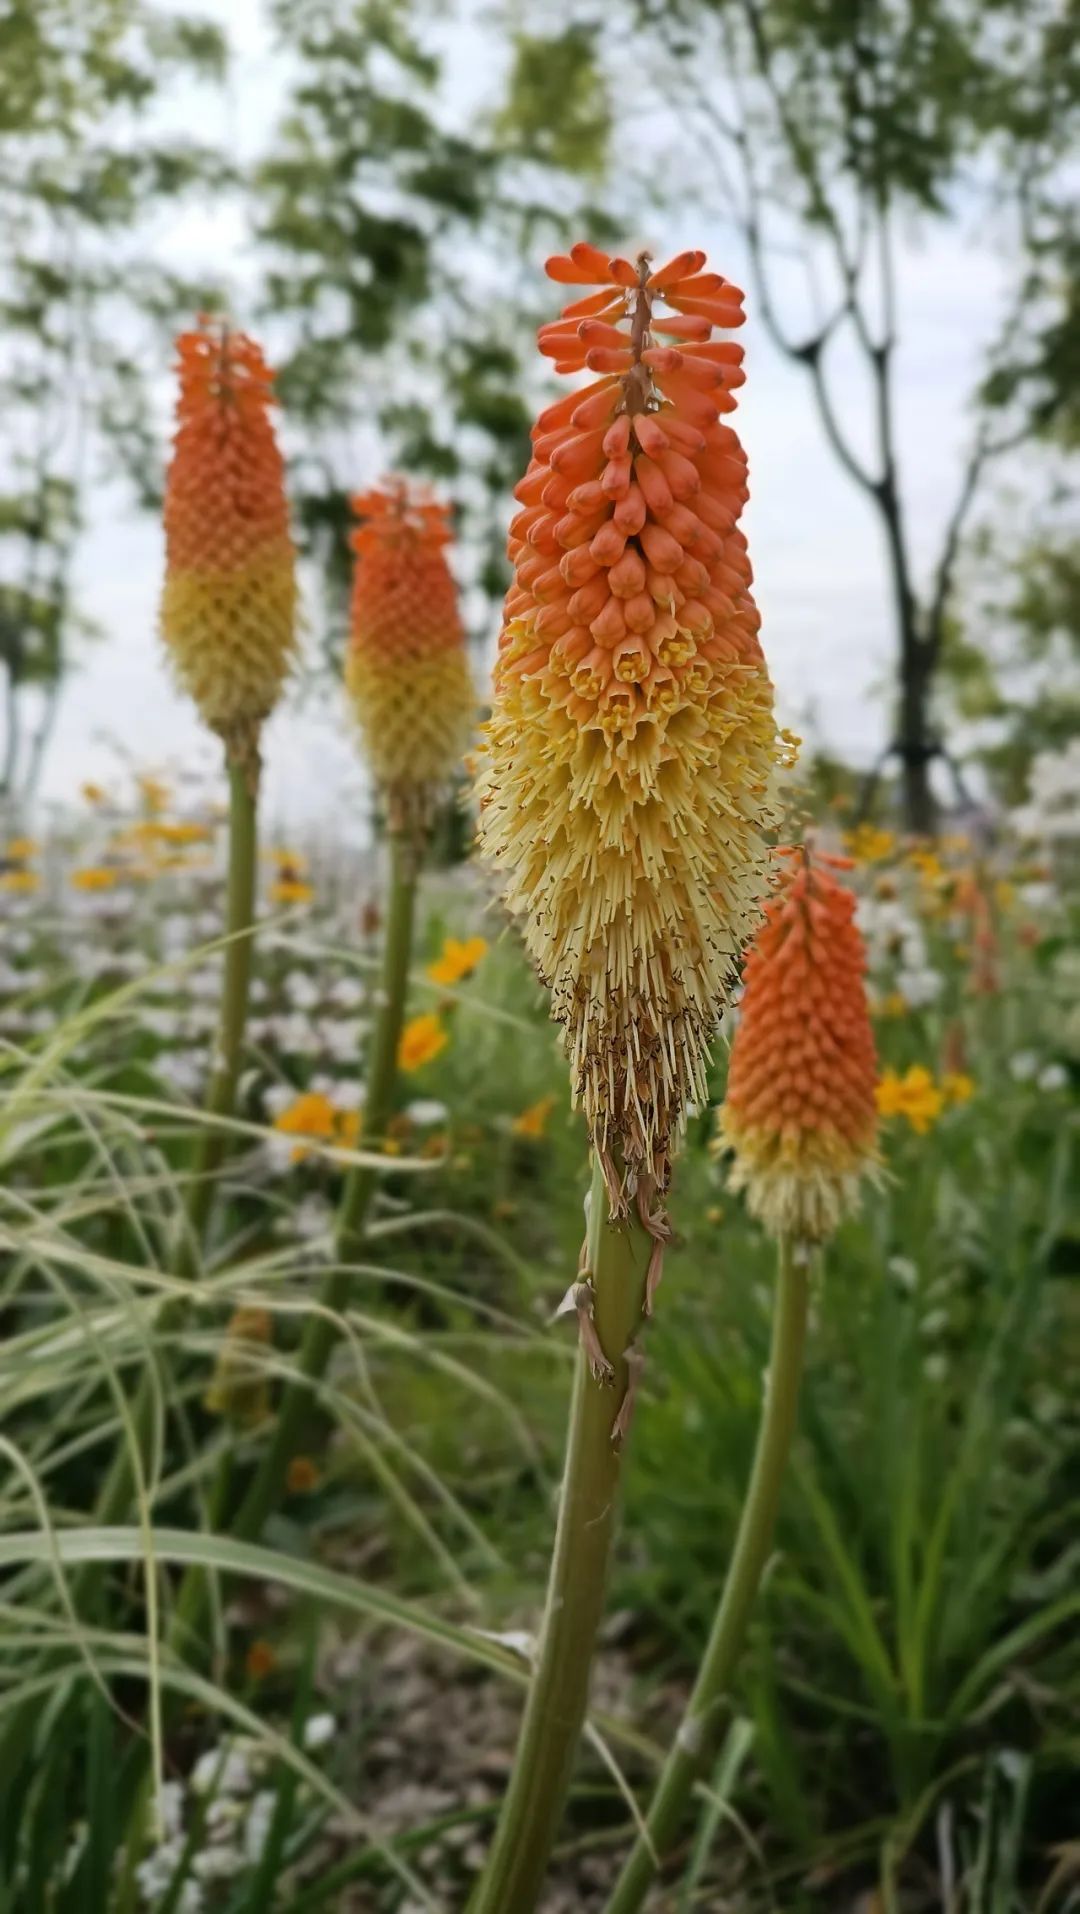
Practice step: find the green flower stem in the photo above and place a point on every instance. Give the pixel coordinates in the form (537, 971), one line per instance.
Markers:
(187, 1633)
(322, 1330)
(264, 1492)
(236, 989)
(220, 1099)
(697, 1742)
(618, 1258)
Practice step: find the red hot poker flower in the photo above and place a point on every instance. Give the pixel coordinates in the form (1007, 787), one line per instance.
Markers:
(799, 1114)
(628, 763)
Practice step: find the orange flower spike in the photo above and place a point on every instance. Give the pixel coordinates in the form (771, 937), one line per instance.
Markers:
(800, 1114)
(628, 764)
(229, 605)
(406, 668)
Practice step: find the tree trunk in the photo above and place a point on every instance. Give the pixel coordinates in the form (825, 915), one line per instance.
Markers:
(12, 738)
(916, 658)
(914, 741)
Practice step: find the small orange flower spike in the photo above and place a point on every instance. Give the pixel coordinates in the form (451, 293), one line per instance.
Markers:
(407, 669)
(628, 764)
(800, 1114)
(228, 611)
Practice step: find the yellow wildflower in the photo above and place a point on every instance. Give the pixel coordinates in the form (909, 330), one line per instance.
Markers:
(421, 1040)
(311, 1115)
(957, 1086)
(534, 1121)
(289, 861)
(176, 862)
(19, 881)
(155, 795)
(348, 1129)
(914, 1096)
(291, 890)
(184, 833)
(20, 849)
(893, 1004)
(868, 844)
(457, 960)
(95, 877)
(93, 793)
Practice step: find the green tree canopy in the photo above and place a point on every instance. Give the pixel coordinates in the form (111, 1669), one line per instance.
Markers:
(79, 164)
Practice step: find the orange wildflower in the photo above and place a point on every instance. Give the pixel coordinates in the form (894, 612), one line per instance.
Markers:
(260, 1660)
(406, 668)
(627, 766)
(301, 1476)
(800, 1113)
(228, 611)
(422, 1039)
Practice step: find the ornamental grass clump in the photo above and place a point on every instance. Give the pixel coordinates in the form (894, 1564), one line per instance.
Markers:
(625, 795)
(800, 1118)
(626, 783)
(406, 668)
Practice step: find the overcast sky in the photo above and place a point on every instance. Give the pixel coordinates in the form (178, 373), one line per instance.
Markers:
(813, 539)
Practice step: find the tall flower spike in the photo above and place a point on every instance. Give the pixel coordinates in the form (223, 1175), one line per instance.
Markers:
(228, 611)
(407, 669)
(799, 1114)
(627, 768)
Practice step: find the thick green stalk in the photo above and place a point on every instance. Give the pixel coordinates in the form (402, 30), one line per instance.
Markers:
(697, 1741)
(532, 1809)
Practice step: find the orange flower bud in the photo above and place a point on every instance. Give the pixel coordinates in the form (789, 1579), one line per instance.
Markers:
(800, 1114)
(406, 668)
(228, 610)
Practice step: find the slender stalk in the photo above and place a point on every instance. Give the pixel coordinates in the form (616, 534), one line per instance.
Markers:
(698, 1739)
(236, 988)
(220, 1099)
(322, 1331)
(187, 1624)
(555, 1709)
